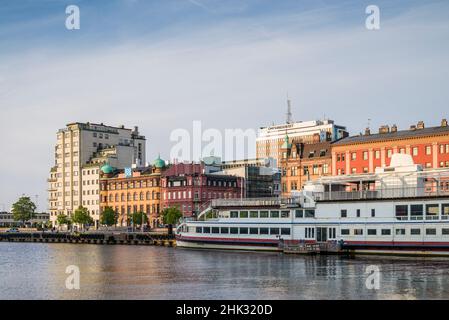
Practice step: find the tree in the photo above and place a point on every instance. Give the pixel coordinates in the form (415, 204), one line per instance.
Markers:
(137, 218)
(108, 217)
(171, 216)
(24, 209)
(62, 219)
(82, 217)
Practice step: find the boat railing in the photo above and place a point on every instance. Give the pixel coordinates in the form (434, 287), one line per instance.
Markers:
(390, 193)
(257, 202)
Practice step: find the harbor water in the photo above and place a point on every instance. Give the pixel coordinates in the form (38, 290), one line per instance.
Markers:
(38, 271)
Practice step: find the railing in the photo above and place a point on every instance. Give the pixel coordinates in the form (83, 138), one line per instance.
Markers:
(252, 202)
(380, 194)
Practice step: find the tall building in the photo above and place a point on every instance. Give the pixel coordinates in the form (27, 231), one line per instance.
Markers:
(140, 191)
(303, 162)
(271, 138)
(364, 153)
(81, 149)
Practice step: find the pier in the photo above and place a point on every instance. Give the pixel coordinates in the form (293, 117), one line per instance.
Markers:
(128, 238)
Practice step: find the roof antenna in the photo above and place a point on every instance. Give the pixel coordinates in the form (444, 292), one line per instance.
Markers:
(289, 110)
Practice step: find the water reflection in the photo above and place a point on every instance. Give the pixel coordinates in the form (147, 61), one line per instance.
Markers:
(37, 271)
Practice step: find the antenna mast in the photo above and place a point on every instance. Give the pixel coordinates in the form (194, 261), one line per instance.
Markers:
(289, 111)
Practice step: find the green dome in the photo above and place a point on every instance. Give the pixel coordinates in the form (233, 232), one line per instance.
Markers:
(107, 169)
(286, 145)
(159, 163)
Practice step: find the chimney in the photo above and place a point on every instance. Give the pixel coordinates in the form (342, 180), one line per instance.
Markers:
(444, 123)
(420, 125)
(384, 129)
(394, 128)
(367, 132)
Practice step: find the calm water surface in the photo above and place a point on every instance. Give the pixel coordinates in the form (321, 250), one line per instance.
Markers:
(37, 271)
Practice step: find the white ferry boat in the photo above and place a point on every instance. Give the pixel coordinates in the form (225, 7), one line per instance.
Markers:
(399, 209)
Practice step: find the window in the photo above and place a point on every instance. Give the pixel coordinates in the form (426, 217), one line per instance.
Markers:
(243, 230)
(401, 212)
(444, 211)
(358, 213)
(263, 214)
(285, 214)
(300, 213)
(234, 230)
(372, 232)
(428, 150)
(215, 230)
(243, 214)
(274, 231)
(285, 231)
(358, 232)
(254, 214)
(365, 155)
(377, 154)
(274, 214)
(206, 230)
(416, 211)
(432, 211)
(199, 230)
(389, 153)
(415, 151)
(344, 232)
(234, 214)
(263, 230)
(431, 232)
(415, 232)
(445, 231)
(343, 213)
(353, 156)
(373, 213)
(253, 230)
(386, 232)
(400, 232)
(224, 230)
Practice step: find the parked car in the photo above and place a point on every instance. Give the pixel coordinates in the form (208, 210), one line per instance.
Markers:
(12, 230)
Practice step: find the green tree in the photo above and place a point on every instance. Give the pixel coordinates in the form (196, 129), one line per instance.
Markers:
(24, 209)
(171, 216)
(82, 217)
(108, 217)
(62, 219)
(137, 218)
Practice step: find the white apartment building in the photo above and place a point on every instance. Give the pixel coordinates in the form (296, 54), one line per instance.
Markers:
(80, 151)
(271, 138)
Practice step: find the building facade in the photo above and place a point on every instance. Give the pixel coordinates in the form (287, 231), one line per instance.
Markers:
(138, 192)
(303, 162)
(80, 151)
(189, 186)
(270, 139)
(428, 147)
(7, 220)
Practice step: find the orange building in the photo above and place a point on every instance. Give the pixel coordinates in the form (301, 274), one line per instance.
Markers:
(139, 192)
(302, 162)
(363, 153)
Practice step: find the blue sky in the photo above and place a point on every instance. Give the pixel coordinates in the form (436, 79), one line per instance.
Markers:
(163, 64)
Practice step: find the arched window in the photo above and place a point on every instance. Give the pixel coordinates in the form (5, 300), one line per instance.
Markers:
(141, 196)
(128, 197)
(148, 195)
(135, 196)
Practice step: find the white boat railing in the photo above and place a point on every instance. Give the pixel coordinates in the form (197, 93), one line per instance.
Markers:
(256, 202)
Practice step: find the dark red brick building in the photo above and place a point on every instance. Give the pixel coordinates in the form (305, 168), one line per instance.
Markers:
(190, 186)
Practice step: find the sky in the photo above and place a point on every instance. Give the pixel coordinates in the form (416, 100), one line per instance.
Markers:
(161, 65)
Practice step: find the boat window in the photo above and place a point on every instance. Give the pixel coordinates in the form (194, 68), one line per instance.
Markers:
(263, 214)
(400, 232)
(415, 232)
(285, 231)
(243, 214)
(254, 214)
(343, 213)
(416, 211)
(224, 230)
(432, 211)
(199, 229)
(299, 213)
(274, 214)
(253, 230)
(310, 213)
(431, 232)
(372, 232)
(344, 232)
(373, 213)
(243, 230)
(215, 230)
(401, 212)
(285, 214)
(445, 231)
(263, 231)
(206, 230)
(234, 214)
(234, 230)
(358, 213)
(386, 232)
(274, 230)
(445, 211)
(358, 232)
